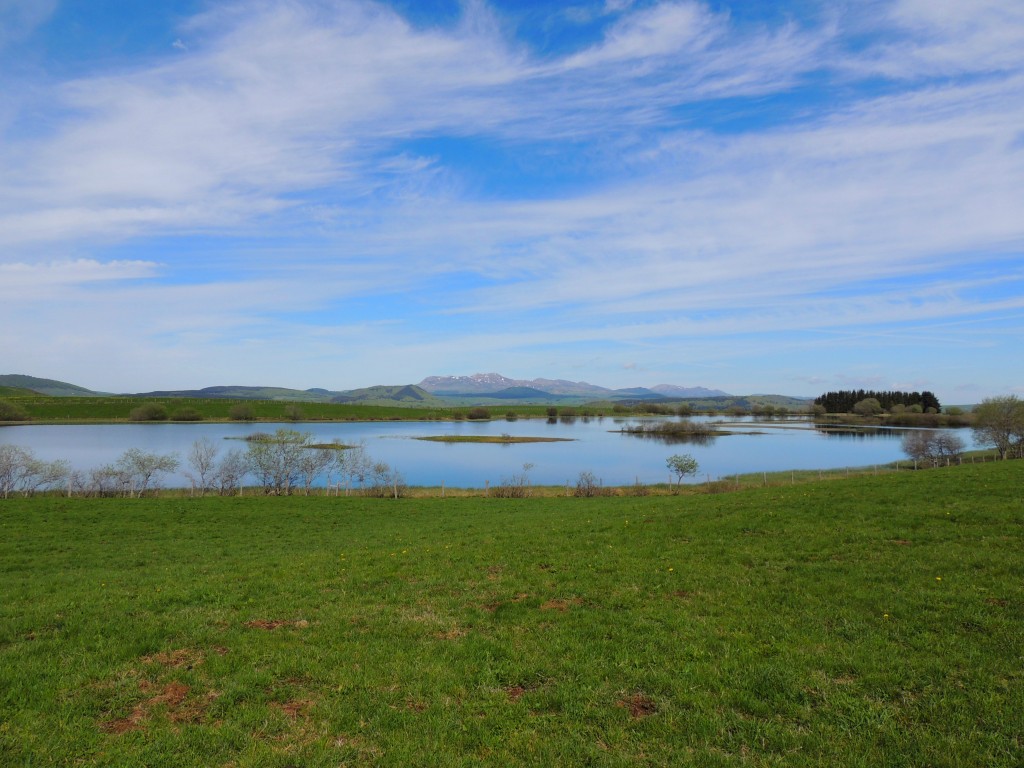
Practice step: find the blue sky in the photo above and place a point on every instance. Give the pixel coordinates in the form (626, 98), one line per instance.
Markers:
(778, 197)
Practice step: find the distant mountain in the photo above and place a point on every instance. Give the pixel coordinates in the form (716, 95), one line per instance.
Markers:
(671, 390)
(492, 383)
(434, 392)
(246, 393)
(46, 386)
(408, 394)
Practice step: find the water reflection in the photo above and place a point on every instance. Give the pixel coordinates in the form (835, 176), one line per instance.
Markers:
(858, 433)
(674, 438)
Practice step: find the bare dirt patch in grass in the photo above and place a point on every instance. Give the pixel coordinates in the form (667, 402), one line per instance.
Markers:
(560, 604)
(182, 657)
(170, 696)
(639, 705)
(451, 634)
(295, 708)
(271, 624)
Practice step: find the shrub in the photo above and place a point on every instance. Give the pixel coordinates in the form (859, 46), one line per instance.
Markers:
(292, 412)
(588, 485)
(869, 406)
(186, 414)
(478, 414)
(639, 489)
(241, 412)
(148, 412)
(935, 448)
(12, 412)
(385, 483)
(515, 488)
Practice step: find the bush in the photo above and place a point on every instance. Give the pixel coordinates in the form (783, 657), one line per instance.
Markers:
(518, 487)
(241, 412)
(292, 412)
(588, 485)
(869, 406)
(478, 414)
(935, 448)
(385, 483)
(186, 414)
(639, 489)
(12, 412)
(148, 412)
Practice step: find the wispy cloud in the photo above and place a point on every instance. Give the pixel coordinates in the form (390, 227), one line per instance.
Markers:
(712, 179)
(19, 18)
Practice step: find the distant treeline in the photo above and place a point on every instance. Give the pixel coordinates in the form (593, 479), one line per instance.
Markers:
(844, 400)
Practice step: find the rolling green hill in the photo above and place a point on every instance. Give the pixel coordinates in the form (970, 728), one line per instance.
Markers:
(390, 395)
(45, 386)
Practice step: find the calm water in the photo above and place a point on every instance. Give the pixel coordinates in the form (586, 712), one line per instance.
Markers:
(614, 458)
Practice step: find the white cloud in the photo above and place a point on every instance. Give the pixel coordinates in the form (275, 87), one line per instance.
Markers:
(664, 29)
(288, 123)
(944, 37)
(19, 281)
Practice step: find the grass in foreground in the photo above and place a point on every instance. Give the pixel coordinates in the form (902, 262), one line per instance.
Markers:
(875, 621)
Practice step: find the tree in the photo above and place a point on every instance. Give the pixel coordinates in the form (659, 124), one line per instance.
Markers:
(353, 464)
(930, 447)
(241, 412)
(186, 414)
(12, 412)
(148, 412)
(999, 421)
(385, 482)
(313, 463)
(682, 465)
(143, 470)
(22, 472)
(869, 406)
(202, 458)
(230, 471)
(275, 459)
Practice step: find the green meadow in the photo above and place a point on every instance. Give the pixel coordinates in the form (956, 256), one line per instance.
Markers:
(874, 621)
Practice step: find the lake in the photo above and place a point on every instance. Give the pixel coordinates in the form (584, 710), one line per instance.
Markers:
(616, 459)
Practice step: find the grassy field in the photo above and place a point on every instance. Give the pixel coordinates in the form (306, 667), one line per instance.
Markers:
(875, 621)
(114, 409)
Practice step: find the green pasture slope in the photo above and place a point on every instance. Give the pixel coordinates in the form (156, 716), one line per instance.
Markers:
(862, 622)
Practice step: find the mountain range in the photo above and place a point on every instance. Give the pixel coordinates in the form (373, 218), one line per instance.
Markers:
(492, 383)
(433, 391)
